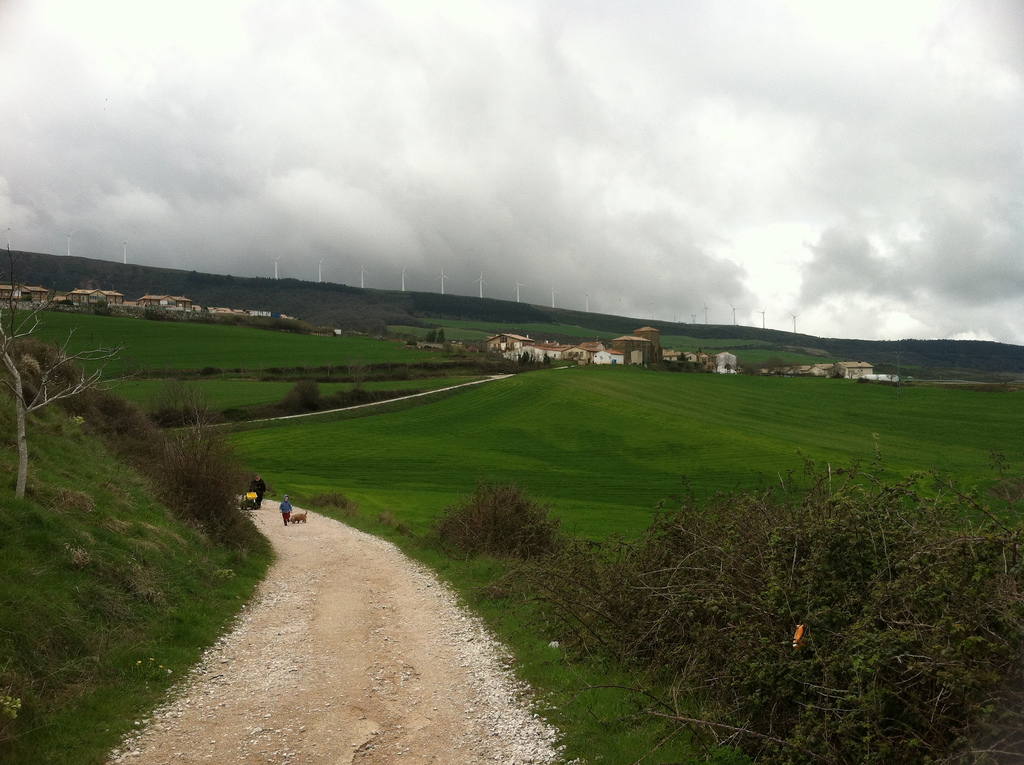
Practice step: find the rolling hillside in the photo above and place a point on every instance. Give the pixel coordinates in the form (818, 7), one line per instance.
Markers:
(372, 311)
(606, 444)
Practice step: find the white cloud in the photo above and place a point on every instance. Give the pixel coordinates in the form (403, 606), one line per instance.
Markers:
(808, 157)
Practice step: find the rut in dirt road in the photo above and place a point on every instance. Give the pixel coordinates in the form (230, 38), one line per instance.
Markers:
(349, 653)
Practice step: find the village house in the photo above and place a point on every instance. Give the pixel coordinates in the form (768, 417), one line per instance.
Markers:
(608, 357)
(24, 293)
(725, 363)
(170, 302)
(584, 352)
(92, 297)
(508, 345)
(852, 370)
(546, 350)
(669, 355)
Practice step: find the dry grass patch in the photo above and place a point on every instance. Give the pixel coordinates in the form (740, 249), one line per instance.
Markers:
(71, 500)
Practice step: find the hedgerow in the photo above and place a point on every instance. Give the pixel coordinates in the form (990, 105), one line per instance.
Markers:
(911, 609)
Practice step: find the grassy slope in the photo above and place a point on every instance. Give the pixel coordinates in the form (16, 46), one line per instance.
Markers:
(185, 345)
(605, 445)
(95, 577)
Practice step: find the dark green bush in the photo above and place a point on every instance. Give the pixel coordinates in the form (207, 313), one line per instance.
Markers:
(303, 397)
(913, 616)
(500, 520)
(201, 480)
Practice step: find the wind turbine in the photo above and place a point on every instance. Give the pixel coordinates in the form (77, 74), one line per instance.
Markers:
(481, 282)
(125, 261)
(320, 271)
(442, 277)
(733, 314)
(586, 301)
(705, 313)
(794, 315)
(275, 265)
(518, 285)
(362, 275)
(69, 240)
(403, 279)
(762, 316)
(8, 238)
(552, 297)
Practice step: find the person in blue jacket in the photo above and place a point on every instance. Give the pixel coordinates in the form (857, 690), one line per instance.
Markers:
(286, 509)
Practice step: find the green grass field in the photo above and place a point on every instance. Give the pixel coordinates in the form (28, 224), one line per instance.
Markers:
(159, 345)
(606, 444)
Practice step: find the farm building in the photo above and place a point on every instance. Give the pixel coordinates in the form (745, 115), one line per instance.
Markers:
(584, 352)
(504, 343)
(608, 357)
(724, 363)
(814, 370)
(541, 351)
(851, 370)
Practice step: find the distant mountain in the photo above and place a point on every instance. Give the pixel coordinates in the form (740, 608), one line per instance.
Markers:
(344, 307)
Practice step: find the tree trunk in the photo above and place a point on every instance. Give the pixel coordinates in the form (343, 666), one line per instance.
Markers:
(19, 492)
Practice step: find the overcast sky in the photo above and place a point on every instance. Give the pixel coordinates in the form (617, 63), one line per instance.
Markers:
(859, 164)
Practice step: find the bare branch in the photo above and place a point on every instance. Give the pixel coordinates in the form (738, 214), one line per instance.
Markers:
(745, 732)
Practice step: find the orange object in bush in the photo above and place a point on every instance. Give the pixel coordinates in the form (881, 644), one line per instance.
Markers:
(798, 637)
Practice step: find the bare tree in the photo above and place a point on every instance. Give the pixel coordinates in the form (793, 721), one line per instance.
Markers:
(36, 374)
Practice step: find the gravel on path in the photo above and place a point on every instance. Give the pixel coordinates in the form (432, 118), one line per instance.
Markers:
(349, 653)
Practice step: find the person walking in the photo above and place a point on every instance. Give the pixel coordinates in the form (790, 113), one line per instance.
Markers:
(286, 509)
(259, 486)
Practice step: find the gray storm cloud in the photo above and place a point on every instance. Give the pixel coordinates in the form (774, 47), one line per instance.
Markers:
(618, 151)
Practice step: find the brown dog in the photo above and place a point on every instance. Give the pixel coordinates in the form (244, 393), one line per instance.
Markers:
(298, 516)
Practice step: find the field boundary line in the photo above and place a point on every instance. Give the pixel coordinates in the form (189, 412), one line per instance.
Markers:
(490, 378)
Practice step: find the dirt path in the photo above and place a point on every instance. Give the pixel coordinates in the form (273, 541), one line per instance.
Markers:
(350, 653)
(421, 394)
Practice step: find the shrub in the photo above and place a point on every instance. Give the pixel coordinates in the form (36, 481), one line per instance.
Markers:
(303, 397)
(179, 404)
(202, 480)
(126, 429)
(913, 618)
(500, 520)
(387, 518)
